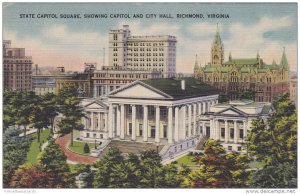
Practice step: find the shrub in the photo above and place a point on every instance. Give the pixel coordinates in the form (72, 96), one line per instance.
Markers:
(86, 148)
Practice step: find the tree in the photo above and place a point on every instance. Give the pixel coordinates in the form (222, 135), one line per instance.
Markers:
(28, 176)
(52, 160)
(151, 169)
(218, 169)
(51, 103)
(24, 107)
(102, 177)
(274, 142)
(86, 148)
(69, 107)
(85, 168)
(14, 152)
(38, 117)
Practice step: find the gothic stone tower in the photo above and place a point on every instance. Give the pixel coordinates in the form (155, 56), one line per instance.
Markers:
(217, 50)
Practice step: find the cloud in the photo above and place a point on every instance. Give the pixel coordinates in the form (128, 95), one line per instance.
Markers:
(57, 45)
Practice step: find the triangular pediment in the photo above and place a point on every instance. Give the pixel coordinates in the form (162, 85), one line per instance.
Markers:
(231, 111)
(95, 105)
(139, 90)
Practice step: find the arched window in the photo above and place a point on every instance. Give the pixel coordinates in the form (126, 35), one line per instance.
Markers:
(234, 77)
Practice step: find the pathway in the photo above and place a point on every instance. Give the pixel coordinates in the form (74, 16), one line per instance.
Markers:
(71, 156)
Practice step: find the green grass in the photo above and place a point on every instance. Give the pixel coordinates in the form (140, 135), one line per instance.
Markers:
(72, 167)
(34, 149)
(78, 147)
(255, 164)
(186, 160)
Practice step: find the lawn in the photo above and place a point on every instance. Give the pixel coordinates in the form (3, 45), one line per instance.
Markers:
(186, 160)
(34, 149)
(78, 147)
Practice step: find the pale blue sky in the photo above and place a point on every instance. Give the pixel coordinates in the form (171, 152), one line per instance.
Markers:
(71, 42)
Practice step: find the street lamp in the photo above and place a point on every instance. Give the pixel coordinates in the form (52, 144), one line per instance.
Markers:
(95, 144)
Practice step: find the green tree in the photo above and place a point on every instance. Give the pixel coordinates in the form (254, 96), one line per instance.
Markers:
(151, 169)
(24, 107)
(52, 160)
(102, 177)
(51, 103)
(85, 168)
(274, 142)
(86, 148)
(69, 107)
(38, 116)
(218, 169)
(14, 152)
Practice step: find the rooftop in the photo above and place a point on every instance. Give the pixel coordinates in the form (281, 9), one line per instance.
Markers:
(172, 87)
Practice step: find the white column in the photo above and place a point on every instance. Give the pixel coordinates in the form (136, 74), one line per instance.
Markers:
(199, 108)
(203, 129)
(106, 122)
(145, 123)
(176, 135)
(114, 121)
(157, 127)
(92, 121)
(118, 120)
(170, 125)
(110, 121)
(87, 124)
(226, 132)
(211, 123)
(217, 130)
(182, 123)
(245, 130)
(194, 118)
(235, 129)
(99, 121)
(208, 106)
(122, 124)
(204, 107)
(190, 120)
(133, 134)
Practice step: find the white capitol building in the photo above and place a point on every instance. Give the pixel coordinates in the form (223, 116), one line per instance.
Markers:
(173, 112)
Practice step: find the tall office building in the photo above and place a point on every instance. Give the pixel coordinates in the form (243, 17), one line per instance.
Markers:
(17, 68)
(153, 53)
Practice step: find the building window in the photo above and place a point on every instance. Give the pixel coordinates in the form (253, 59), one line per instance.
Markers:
(87, 135)
(231, 132)
(130, 128)
(94, 135)
(241, 133)
(141, 129)
(229, 148)
(101, 136)
(207, 131)
(152, 131)
(239, 148)
(165, 131)
(222, 132)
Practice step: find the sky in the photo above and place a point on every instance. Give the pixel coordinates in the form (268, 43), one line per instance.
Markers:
(253, 27)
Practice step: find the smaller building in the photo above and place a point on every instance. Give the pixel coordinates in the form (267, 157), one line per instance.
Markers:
(43, 84)
(110, 78)
(17, 68)
(231, 121)
(294, 89)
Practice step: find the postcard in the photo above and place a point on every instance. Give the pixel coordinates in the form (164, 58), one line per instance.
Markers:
(150, 95)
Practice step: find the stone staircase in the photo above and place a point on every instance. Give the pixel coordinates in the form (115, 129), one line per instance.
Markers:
(127, 147)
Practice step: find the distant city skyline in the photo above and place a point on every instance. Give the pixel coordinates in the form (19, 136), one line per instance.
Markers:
(251, 27)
